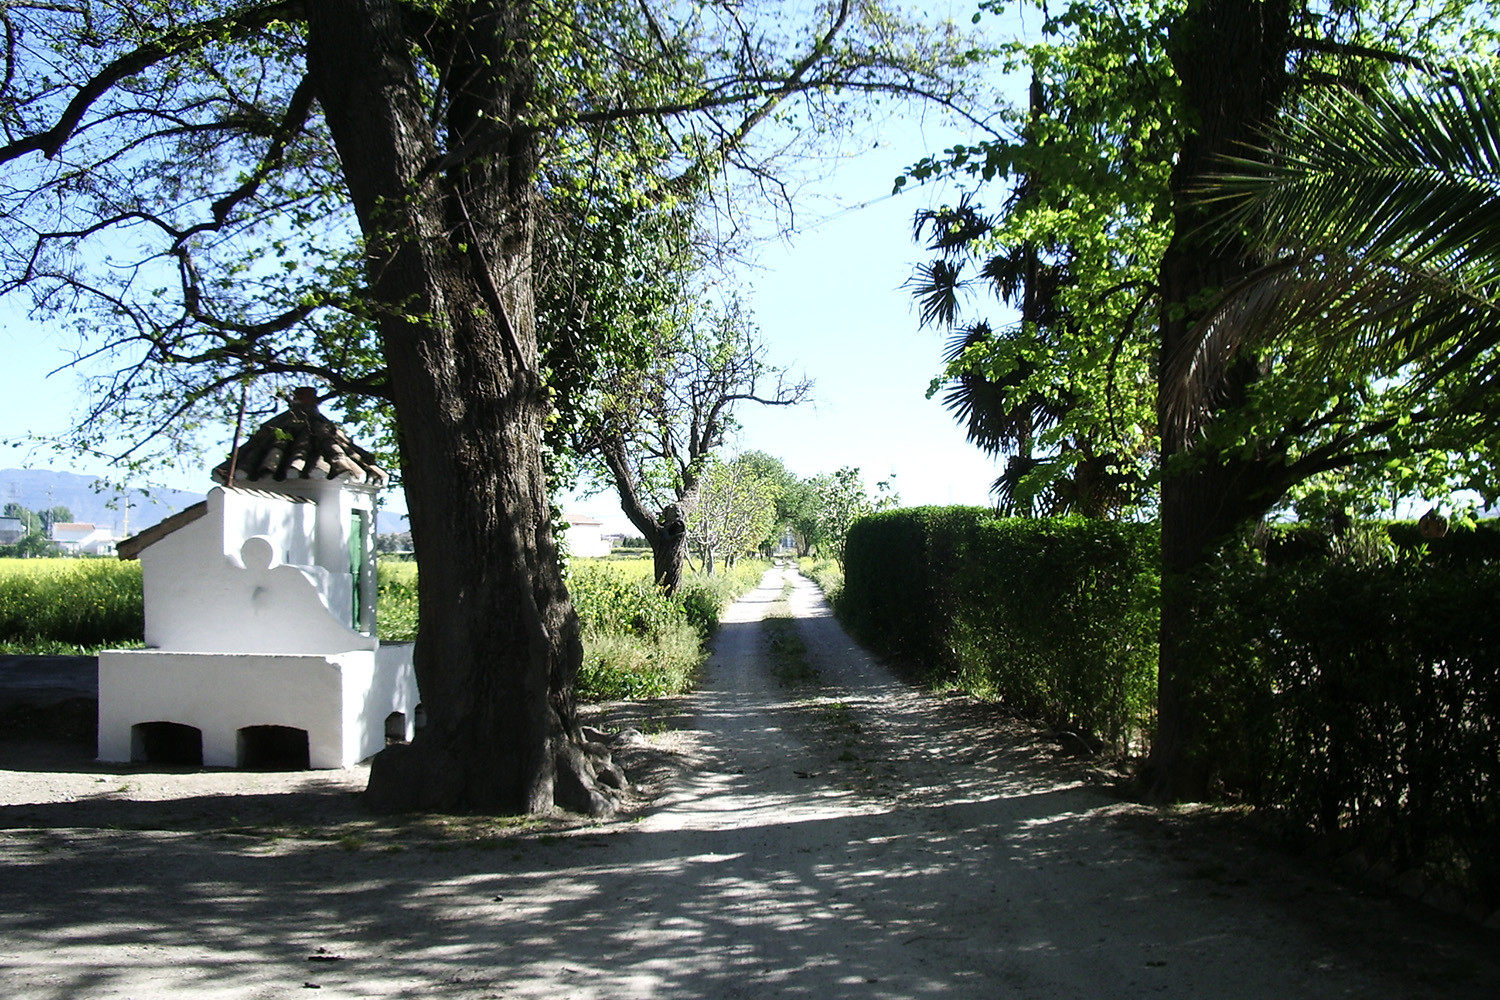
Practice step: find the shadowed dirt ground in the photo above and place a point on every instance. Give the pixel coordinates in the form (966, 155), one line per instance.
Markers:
(845, 837)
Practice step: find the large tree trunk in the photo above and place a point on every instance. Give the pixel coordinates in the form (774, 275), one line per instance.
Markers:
(1230, 56)
(668, 554)
(498, 643)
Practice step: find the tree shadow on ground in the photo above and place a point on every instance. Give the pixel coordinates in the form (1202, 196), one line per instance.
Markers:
(845, 842)
(1003, 890)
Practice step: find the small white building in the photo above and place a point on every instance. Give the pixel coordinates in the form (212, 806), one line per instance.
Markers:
(260, 616)
(80, 538)
(585, 537)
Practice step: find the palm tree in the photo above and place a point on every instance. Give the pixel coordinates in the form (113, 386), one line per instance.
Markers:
(992, 383)
(1379, 216)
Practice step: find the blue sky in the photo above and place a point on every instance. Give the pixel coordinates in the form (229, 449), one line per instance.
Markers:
(829, 304)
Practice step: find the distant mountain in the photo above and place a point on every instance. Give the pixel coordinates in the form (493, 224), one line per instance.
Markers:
(86, 496)
(388, 522)
(126, 513)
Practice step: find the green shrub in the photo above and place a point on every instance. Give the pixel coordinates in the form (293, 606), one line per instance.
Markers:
(1056, 617)
(826, 573)
(702, 602)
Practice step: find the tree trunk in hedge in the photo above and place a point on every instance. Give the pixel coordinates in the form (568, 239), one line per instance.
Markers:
(449, 264)
(1230, 56)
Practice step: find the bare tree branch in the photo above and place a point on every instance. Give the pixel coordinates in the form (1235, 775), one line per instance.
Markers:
(239, 24)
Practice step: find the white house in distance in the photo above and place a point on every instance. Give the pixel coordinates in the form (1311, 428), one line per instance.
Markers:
(260, 616)
(84, 539)
(586, 537)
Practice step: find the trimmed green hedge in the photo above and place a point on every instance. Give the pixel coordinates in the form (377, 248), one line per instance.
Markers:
(1057, 617)
(1362, 702)
(895, 564)
(1350, 685)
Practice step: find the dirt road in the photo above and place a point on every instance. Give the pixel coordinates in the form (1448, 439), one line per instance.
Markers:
(848, 838)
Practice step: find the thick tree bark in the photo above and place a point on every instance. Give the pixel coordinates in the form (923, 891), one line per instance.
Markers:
(669, 553)
(1230, 56)
(449, 261)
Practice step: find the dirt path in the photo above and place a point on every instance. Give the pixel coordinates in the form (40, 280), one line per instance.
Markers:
(849, 839)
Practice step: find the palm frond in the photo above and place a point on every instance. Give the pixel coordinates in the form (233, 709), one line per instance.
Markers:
(1382, 218)
(999, 413)
(950, 230)
(1410, 173)
(1334, 313)
(937, 287)
(1008, 271)
(1017, 491)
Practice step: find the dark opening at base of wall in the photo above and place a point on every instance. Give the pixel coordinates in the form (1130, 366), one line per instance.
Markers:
(395, 727)
(166, 743)
(271, 748)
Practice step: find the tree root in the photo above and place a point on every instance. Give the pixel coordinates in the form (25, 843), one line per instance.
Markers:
(587, 780)
(422, 777)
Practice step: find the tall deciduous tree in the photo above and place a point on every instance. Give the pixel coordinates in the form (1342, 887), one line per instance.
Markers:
(352, 190)
(736, 510)
(660, 424)
(843, 499)
(785, 487)
(802, 502)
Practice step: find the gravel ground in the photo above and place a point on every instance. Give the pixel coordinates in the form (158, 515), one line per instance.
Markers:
(844, 838)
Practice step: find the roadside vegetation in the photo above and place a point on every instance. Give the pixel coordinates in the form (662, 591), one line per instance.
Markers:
(638, 643)
(826, 573)
(1348, 668)
(69, 606)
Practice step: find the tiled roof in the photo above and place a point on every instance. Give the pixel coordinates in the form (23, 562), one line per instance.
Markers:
(301, 444)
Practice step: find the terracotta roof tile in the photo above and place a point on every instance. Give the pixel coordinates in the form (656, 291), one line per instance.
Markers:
(301, 443)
